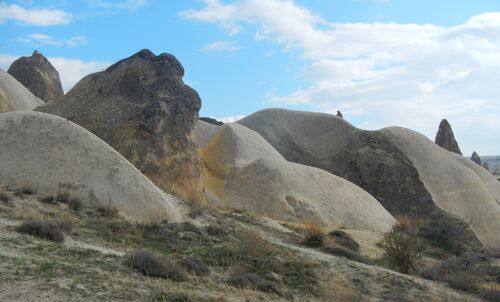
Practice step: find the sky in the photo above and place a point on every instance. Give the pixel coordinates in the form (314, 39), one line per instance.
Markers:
(381, 62)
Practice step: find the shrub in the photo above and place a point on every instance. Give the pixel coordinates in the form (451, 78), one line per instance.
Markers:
(216, 229)
(252, 245)
(488, 294)
(465, 272)
(24, 190)
(43, 229)
(155, 266)
(253, 281)
(314, 235)
(402, 248)
(197, 208)
(4, 197)
(195, 266)
(65, 225)
(50, 199)
(463, 281)
(347, 253)
(345, 240)
(107, 211)
(72, 202)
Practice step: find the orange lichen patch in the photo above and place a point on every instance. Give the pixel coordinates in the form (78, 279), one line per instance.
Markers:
(213, 183)
(181, 178)
(209, 157)
(5, 105)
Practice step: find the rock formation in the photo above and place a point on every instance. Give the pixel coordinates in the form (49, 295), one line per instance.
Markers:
(211, 121)
(14, 96)
(446, 139)
(38, 76)
(142, 108)
(339, 114)
(243, 171)
(475, 158)
(402, 169)
(53, 155)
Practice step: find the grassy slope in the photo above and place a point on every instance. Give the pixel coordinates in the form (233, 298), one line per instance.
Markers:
(89, 266)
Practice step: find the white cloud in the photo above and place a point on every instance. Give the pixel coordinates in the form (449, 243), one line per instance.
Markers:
(37, 17)
(230, 119)
(129, 4)
(222, 46)
(42, 39)
(383, 74)
(70, 70)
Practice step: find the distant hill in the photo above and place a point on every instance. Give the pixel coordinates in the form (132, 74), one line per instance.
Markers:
(493, 162)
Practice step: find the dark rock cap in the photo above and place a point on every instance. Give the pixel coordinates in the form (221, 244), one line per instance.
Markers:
(142, 108)
(38, 75)
(446, 139)
(475, 158)
(211, 121)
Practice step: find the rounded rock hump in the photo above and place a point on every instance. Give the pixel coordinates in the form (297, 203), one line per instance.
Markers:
(408, 173)
(38, 75)
(143, 109)
(14, 96)
(52, 155)
(243, 171)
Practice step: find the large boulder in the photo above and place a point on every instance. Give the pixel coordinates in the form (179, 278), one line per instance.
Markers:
(143, 109)
(243, 171)
(53, 155)
(446, 139)
(14, 96)
(403, 169)
(38, 75)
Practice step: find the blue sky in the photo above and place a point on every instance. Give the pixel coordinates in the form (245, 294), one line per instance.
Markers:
(382, 62)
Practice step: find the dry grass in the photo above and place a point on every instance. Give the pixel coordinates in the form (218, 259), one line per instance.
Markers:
(314, 235)
(251, 244)
(108, 211)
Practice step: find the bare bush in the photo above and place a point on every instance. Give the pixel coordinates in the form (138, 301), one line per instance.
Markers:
(253, 281)
(155, 266)
(43, 229)
(195, 266)
(402, 248)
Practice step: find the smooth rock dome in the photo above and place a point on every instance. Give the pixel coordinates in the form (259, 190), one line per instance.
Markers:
(408, 173)
(243, 171)
(51, 155)
(14, 96)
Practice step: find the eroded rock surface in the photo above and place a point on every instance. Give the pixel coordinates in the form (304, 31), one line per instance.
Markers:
(14, 96)
(243, 171)
(38, 75)
(52, 155)
(143, 109)
(402, 169)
